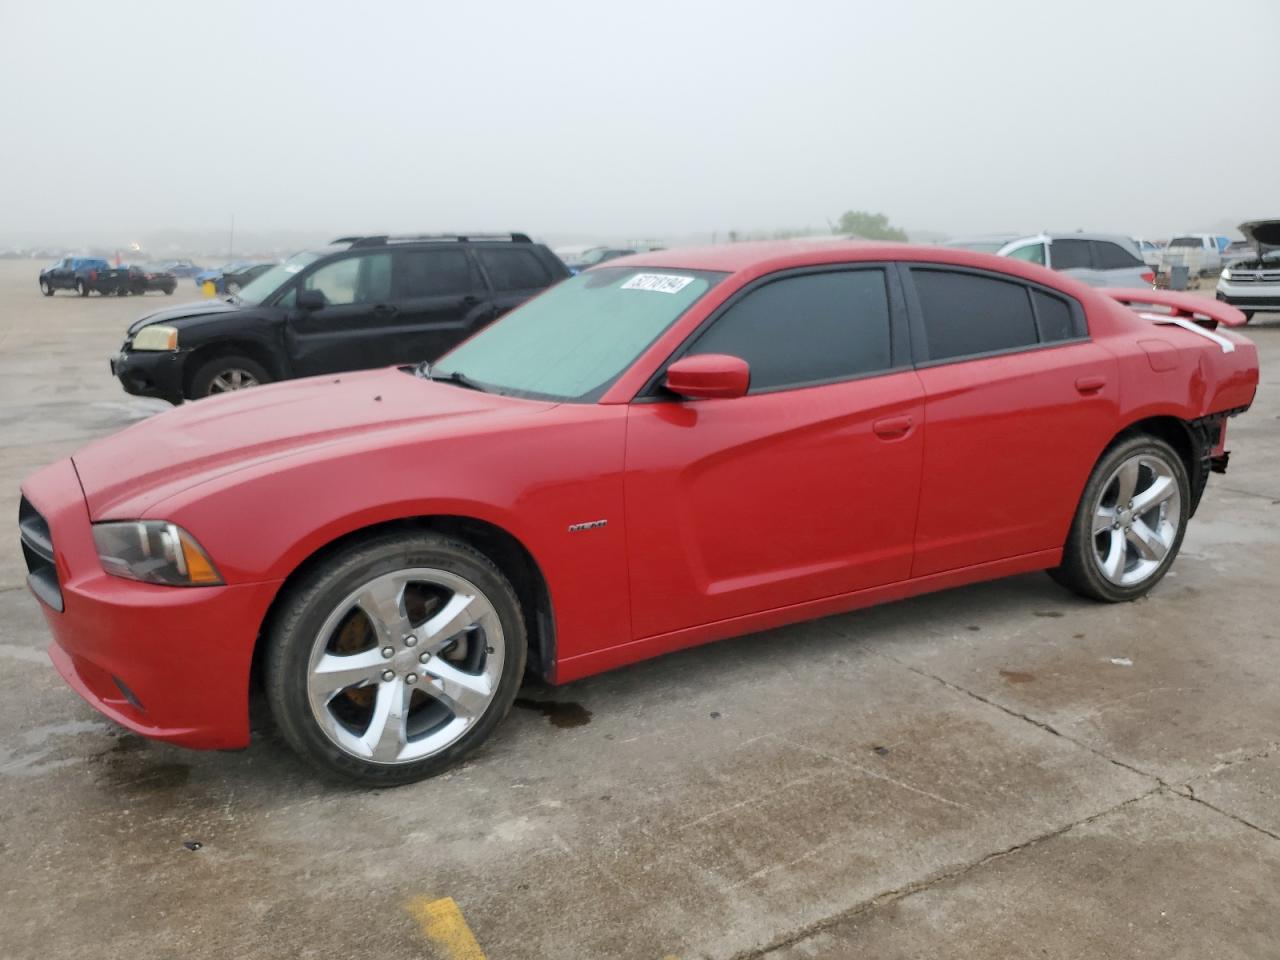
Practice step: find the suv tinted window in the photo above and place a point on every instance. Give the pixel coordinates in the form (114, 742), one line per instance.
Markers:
(1112, 256)
(433, 273)
(1030, 252)
(363, 279)
(966, 314)
(806, 329)
(1053, 316)
(1069, 254)
(513, 269)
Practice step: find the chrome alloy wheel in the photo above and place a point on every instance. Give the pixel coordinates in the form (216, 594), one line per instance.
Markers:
(1135, 519)
(232, 379)
(405, 665)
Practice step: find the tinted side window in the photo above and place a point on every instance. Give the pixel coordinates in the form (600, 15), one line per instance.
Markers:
(966, 314)
(365, 279)
(1112, 256)
(1069, 254)
(432, 273)
(513, 269)
(1054, 317)
(806, 329)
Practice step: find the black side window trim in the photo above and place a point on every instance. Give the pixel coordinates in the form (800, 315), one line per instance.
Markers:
(899, 342)
(919, 342)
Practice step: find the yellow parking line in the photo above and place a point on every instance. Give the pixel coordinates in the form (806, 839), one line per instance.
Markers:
(444, 925)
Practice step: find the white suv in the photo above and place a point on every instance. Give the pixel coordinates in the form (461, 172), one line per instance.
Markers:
(1253, 283)
(1098, 259)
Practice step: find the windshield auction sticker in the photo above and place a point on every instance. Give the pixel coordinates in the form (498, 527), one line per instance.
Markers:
(657, 282)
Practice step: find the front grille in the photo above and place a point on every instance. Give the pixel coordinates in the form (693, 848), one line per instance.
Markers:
(1236, 277)
(37, 548)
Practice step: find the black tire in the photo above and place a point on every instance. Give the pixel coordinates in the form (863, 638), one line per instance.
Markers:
(45, 288)
(204, 382)
(1248, 315)
(1079, 570)
(82, 288)
(168, 291)
(307, 604)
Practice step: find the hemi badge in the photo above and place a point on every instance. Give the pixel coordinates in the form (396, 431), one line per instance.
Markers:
(587, 525)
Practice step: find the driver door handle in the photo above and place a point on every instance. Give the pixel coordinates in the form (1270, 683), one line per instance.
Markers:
(386, 309)
(891, 428)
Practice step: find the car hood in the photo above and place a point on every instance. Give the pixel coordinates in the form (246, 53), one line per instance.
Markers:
(1262, 233)
(183, 311)
(125, 474)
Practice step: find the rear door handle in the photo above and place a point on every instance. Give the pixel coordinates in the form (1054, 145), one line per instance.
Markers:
(1090, 384)
(892, 427)
(386, 309)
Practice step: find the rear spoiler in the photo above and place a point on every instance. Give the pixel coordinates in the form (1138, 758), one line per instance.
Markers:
(1186, 306)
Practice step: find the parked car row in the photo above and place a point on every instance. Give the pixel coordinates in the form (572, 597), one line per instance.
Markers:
(86, 275)
(232, 277)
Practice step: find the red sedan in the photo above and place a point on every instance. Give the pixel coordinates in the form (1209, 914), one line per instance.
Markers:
(669, 449)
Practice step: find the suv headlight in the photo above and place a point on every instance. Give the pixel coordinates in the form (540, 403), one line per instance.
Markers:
(1226, 273)
(154, 551)
(156, 338)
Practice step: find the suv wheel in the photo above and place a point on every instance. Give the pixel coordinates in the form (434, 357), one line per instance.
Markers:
(1130, 522)
(226, 373)
(45, 288)
(82, 288)
(395, 658)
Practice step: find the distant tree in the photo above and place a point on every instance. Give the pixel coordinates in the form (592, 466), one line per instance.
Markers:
(869, 226)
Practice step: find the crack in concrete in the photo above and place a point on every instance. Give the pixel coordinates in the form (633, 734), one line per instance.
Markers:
(1191, 795)
(919, 886)
(1049, 728)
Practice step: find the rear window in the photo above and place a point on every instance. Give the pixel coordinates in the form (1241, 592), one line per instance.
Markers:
(1186, 242)
(513, 269)
(967, 314)
(1053, 316)
(432, 273)
(1112, 256)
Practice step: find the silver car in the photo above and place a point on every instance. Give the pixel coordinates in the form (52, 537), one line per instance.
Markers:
(1252, 283)
(1098, 259)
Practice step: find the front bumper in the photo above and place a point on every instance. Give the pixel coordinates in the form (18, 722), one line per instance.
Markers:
(151, 373)
(1250, 296)
(170, 663)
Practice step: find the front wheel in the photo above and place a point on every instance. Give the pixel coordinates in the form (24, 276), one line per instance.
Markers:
(1130, 522)
(395, 658)
(45, 288)
(226, 374)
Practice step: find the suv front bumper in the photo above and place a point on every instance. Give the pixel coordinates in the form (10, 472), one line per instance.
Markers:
(151, 373)
(1250, 296)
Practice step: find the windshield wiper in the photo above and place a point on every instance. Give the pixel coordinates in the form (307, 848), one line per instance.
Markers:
(453, 376)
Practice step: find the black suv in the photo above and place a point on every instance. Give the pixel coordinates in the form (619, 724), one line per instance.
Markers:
(364, 302)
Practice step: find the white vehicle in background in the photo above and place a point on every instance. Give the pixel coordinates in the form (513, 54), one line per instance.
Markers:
(1150, 251)
(1252, 285)
(1200, 253)
(1098, 259)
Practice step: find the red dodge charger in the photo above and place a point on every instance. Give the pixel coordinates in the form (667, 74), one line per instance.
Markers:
(669, 449)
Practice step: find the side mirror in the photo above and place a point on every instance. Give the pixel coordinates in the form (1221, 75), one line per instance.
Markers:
(709, 376)
(311, 299)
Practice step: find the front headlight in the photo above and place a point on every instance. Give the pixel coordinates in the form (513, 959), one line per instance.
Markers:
(154, 551)
(156, 338)
(1226, 273)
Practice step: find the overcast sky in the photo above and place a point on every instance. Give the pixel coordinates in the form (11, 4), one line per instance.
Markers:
(633, 119)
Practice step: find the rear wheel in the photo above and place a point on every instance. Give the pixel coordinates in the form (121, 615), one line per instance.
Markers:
(395, 658)
(1130, 522)
(227, 373)
(82, 288)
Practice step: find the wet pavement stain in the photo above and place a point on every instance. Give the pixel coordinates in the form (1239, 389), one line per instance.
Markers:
(560, 714)
(160, 776)
(1015, 676)
(1048, 613)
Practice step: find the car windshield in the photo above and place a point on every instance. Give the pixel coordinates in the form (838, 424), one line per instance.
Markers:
(573, 341)
(259, 289)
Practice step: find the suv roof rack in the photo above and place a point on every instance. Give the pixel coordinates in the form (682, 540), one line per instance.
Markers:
(378, 240)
